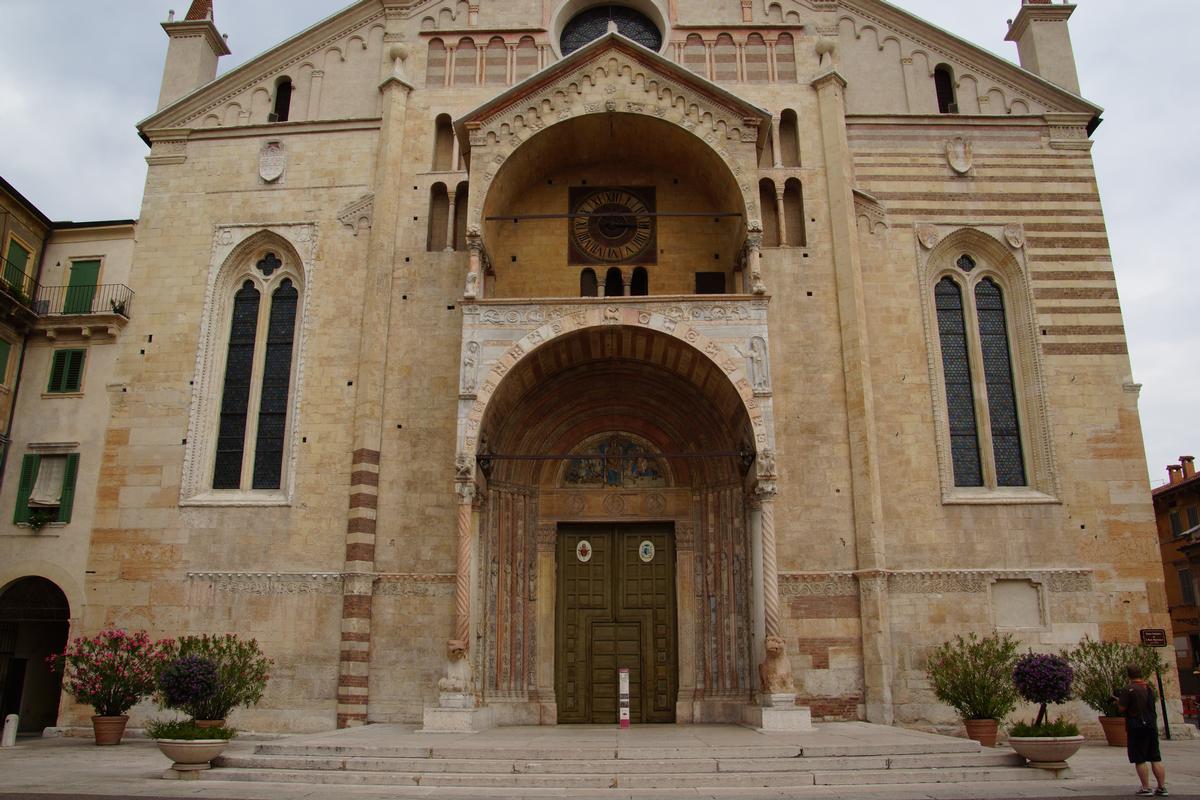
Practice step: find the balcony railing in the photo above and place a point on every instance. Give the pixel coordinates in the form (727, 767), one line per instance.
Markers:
(109, 298)
(18, 284)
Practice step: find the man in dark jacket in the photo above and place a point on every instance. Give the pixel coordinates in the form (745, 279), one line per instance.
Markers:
(1136, 702)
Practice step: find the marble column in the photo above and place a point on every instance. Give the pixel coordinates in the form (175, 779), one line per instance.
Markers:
(685, 604)
(452, 195)
(780, 216)
(547, 590)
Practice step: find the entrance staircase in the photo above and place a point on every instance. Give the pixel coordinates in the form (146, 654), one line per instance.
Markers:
(578, 758)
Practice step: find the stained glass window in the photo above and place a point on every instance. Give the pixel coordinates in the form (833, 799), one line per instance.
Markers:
(960, 395)
(998, 374)
(593, 23)
(276, 382)
(235, 397)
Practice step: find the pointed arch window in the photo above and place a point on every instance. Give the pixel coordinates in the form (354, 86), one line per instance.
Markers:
(257, 390)
(979, 380)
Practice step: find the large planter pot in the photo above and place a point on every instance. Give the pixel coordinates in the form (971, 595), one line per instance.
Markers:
(982, 730)
(209, 723)
(109, 730)
(1047, 752)
(1114, 731)
(189, 756)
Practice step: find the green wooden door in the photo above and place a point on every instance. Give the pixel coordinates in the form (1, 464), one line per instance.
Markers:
(616, 608)
(16, 265)
(82, 289)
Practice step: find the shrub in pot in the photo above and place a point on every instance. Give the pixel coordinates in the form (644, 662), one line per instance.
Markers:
(242, 672)
(190, 747)
(973, 676)
(188, 684)
(1100, 673)
(1044, 678)
(112, 672)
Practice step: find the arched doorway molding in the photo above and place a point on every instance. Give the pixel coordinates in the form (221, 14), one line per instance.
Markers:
(35, 622)
(718, 516)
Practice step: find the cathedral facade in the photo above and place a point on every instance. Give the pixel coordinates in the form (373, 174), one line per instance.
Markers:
(586, 336)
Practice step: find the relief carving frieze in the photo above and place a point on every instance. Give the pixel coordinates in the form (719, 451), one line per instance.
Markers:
(269, 583)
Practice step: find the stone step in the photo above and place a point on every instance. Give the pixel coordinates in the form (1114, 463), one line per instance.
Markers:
(614, 766)
(670, 780)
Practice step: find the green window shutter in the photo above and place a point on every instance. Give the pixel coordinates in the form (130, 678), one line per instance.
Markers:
(66, 371)
(29, 470)
(15, 270)
(5, 349)
(68, 488)
(82, 289)
(74, 377)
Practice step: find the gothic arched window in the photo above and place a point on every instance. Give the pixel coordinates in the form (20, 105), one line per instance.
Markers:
(980, 373)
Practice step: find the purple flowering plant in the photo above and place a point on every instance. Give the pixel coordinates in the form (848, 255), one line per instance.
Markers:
(187, 683)
(1043, 678)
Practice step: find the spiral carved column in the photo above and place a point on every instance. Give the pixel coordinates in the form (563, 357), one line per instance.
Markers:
(462, 584)
(770, 573)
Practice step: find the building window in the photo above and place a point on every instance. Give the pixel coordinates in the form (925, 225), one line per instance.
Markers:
(1193, 513)
(639, 284)
(943, 83)
(980, 376)
(5, 351)
(66, 372)
(591, 24)
(789, 138)
(283, 100)
(443, 144)
(18, 259)
(46, 492)
(614, 283)
(793, 213)
(256, 394)
(1176, 523)
(1187, 587)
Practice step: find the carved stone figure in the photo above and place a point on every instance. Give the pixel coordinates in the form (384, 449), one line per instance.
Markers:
(459, 677)
(1015, 234)
(775, 673)
(760, 374)
(928, 236)
(472, 289)
(272, 161)
(766, 464)
(470, 365)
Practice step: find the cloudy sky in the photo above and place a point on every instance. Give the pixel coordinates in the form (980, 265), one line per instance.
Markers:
(82, 73)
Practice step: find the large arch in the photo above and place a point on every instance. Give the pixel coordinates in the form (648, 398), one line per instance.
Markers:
(35, 619)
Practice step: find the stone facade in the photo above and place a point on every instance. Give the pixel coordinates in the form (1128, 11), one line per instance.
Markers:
(406, 168)
(1177, 510)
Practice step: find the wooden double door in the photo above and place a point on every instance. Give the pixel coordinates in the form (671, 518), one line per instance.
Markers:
(616, 608)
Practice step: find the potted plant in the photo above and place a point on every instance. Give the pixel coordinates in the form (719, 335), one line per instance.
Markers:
(974, 676)
(188, 684)
(1044, 678)
(242, 672)
(190, 747)
(1100, 674)
(111, 671)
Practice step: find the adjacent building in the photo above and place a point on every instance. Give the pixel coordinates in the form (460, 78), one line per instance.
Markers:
(578, 336)
(1177, 508)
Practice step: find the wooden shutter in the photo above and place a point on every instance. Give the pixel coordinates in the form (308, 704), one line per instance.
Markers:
(58, 369)
(67, 499)
(5, 349)
(29, 470)
(74, 374)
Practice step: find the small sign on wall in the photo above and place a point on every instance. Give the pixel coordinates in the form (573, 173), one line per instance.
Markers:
(583, 551)
(1154, 637)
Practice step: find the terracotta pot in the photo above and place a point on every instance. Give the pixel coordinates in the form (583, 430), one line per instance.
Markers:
(109, 730)
(1114, 731)
(191, 755)
(982, 730)
(209, 723)
(1046, 749)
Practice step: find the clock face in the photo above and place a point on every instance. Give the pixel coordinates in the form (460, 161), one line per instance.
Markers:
(612, 225)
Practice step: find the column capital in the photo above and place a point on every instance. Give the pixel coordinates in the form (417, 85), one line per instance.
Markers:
(685, 536)
(830, 76)
(765, 491)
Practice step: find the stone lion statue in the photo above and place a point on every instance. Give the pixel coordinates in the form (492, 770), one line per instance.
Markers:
(775, 673)
(459, 678)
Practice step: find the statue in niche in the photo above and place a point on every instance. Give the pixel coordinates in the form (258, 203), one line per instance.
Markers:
(760, 375)
(470, 365)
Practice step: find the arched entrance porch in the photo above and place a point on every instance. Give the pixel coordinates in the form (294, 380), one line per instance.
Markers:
(617, 435)
(34, 621)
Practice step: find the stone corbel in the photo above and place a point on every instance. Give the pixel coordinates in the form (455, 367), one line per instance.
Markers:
(474, 289)
(754, 240)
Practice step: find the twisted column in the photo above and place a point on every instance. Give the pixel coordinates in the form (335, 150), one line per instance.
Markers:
(770, 572)
(462, 582)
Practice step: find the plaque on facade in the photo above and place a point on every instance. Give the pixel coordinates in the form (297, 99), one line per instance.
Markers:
(646, 551)
(271, 162)
(583, 551)
(612, 225)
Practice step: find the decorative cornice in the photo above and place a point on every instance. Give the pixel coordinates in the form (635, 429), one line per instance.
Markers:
(932, 581)
(327, 583)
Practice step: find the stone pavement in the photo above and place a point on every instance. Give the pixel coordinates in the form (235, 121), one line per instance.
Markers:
(73, 768)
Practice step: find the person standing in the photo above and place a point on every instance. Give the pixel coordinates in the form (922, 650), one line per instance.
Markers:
(1137, 703)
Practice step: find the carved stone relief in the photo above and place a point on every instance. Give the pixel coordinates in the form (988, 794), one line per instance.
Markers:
(272, 161)
(959, 154)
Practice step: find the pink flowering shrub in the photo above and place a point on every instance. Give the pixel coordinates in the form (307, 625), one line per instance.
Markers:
(113, 670)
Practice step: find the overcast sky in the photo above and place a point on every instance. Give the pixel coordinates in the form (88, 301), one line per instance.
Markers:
(82, 73)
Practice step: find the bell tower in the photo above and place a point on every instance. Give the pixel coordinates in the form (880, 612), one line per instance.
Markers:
(192, 54)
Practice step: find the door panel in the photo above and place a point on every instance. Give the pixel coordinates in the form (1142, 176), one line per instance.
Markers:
(82, 289)
(615, 610)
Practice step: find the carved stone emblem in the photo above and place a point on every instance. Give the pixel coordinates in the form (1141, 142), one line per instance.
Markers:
(959, 154)
(583, 551)
(272, 161)
(614, 504)
(928, 236)
(1015, 234)
(646, 551)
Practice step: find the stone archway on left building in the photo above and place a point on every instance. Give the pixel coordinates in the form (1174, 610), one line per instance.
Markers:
(34, 623)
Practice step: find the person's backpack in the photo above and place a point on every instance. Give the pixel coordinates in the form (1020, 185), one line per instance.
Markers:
(1142, 718)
